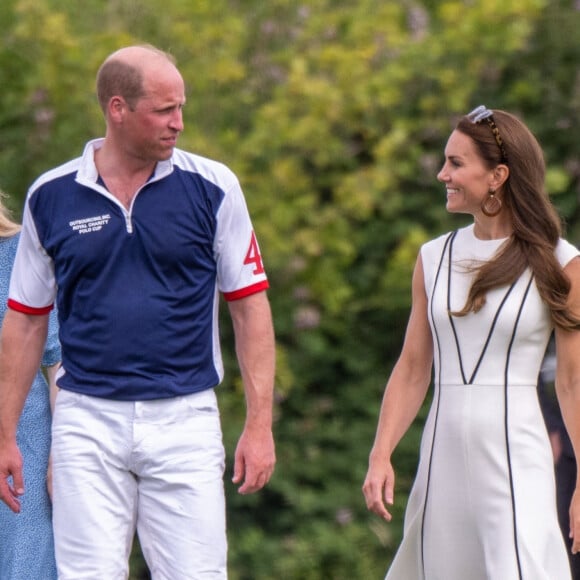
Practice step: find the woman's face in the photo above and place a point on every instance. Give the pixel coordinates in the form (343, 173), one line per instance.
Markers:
(465, 176)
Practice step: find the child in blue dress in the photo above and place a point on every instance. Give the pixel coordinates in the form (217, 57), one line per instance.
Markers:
(26, 541)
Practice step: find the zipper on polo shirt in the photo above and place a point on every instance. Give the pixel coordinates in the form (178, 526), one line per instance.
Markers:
(128, 222)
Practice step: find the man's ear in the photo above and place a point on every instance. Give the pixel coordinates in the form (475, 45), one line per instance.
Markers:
(116, 109)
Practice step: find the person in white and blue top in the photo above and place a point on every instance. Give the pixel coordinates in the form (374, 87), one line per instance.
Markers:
(134, 242)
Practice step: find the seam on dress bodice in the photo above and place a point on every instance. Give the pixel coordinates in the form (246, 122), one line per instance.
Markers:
(452, 323)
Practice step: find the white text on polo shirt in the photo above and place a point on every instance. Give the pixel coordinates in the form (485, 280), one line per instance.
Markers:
(91, 224)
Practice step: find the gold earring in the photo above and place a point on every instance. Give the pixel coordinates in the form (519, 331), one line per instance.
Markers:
(491, 205)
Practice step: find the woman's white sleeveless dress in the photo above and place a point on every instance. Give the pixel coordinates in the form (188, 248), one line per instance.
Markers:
(483, 502)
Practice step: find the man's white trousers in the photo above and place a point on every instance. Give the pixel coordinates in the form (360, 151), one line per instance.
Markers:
(152, 466)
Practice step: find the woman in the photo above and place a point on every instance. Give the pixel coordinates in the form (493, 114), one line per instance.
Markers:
(485, 300)
(26, 542)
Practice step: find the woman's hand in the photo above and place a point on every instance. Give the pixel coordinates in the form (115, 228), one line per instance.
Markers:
(378, 488)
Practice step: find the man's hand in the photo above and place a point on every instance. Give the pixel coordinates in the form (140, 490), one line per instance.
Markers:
(11, 481)
(254, 459)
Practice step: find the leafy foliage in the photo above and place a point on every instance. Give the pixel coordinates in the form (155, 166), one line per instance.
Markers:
(334, 114)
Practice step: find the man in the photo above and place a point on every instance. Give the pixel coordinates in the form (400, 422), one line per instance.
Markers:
(133, 241)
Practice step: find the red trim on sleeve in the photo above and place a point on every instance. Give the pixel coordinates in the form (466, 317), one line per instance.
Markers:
(29, 309)
(248, 291)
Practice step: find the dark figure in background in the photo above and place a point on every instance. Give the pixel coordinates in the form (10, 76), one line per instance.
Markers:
(564, 461)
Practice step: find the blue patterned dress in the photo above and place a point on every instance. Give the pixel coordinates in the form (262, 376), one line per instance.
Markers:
(26, 542)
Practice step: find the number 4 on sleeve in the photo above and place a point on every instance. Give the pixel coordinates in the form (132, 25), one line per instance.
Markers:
(253, 256)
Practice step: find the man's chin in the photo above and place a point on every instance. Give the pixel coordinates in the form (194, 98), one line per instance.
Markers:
(165, 154)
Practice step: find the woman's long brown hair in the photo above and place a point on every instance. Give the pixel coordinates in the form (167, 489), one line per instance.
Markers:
(536, 224)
